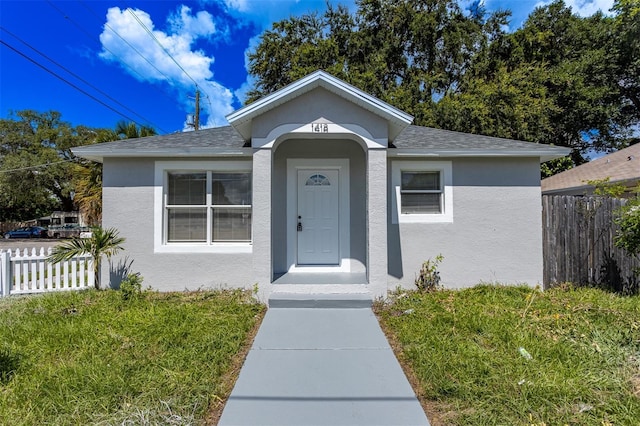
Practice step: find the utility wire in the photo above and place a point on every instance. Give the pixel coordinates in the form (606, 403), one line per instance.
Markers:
(130, 10)
(35, 167)
(128, 44)
(81, 79)
(167, 78)
(88, 35)
(27, 57)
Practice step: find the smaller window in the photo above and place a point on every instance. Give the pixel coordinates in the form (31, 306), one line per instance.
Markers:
(421, 192)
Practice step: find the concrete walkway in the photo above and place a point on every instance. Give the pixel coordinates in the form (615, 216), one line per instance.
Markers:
(321, 366)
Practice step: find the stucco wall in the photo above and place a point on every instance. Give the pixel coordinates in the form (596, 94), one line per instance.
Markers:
(315, 104)
(303, 148)
(128, 205)
(496, 234)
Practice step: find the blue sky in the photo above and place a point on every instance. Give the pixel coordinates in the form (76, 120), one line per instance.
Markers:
(82, 42)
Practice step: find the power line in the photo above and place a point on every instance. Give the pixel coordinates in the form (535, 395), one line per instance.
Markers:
(68, 82)
(89, 36)
(81, 79)
(128, 44)
(130, 10)
(132, 13)
(35, 167)
(122, 61)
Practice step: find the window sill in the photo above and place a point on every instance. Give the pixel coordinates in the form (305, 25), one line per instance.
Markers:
(204, 248)
(426, 218)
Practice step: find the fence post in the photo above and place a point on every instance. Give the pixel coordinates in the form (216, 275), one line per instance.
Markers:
(5, 273)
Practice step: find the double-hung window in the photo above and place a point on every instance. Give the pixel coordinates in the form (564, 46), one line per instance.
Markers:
(423, 191)
(205, 206)
(208, 207)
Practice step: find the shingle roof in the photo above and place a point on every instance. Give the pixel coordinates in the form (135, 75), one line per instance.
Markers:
(206, 142)
(619, 166)
(430, 138)
(225, 139)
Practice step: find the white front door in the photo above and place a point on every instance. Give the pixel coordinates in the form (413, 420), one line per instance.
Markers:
(318, 217)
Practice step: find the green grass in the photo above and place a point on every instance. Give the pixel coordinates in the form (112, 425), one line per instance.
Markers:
(461, 349)
(92, 358)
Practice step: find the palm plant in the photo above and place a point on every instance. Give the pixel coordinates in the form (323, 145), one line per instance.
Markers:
(129, 130)
(88, 186)
(103, 242)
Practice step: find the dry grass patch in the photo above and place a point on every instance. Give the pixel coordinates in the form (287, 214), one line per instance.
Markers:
(93, 358)
(462, 352)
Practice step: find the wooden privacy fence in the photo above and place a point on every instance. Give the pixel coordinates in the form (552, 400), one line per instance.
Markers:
(29, 272)
(578, 244)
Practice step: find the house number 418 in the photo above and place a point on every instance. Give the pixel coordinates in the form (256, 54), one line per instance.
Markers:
(319, 127)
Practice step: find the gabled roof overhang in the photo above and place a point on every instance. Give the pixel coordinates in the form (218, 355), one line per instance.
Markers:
(551, 153)
(242, 119)
(100, 154)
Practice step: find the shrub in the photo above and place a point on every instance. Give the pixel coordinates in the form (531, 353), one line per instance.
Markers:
(131, 286)
(429, 277)
(628, 219)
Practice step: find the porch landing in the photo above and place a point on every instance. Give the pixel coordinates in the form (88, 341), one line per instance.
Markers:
(324, 278)
(320, 290)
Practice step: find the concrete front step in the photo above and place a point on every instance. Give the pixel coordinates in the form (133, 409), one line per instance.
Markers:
(320, 300)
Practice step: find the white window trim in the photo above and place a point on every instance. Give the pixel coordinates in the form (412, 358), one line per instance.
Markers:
(160, 181)
(445, 168)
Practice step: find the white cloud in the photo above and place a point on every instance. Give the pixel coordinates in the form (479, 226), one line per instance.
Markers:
(588, 8)
(217, 102)
(239, 5)
(241, 93)
(585, 7)
(151, 63)
(188, 25)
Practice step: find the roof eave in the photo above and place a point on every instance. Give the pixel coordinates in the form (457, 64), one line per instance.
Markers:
(544, 155)
(628, 182)
(100, 155)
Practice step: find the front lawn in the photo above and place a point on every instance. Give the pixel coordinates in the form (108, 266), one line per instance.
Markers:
(579, 363)
(93, 358)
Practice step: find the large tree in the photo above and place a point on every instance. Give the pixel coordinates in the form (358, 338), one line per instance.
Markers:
(627, 54)
(36, 169)
(559, 79)
(406, 53)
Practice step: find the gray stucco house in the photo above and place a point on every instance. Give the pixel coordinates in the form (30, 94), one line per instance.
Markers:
(322, 188)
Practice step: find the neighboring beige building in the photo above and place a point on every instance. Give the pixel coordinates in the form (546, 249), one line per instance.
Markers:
(621, 167)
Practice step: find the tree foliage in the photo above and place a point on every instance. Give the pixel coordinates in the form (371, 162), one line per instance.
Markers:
(36, 164)
(40, 174)
(130, 130)
(628, 221)
(560, 78)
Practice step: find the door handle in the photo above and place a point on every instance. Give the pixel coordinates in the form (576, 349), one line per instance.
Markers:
(299, 224)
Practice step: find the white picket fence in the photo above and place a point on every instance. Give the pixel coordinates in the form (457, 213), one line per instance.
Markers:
(29, 272)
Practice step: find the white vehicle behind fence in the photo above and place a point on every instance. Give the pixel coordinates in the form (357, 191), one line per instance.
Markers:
(64, 225)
